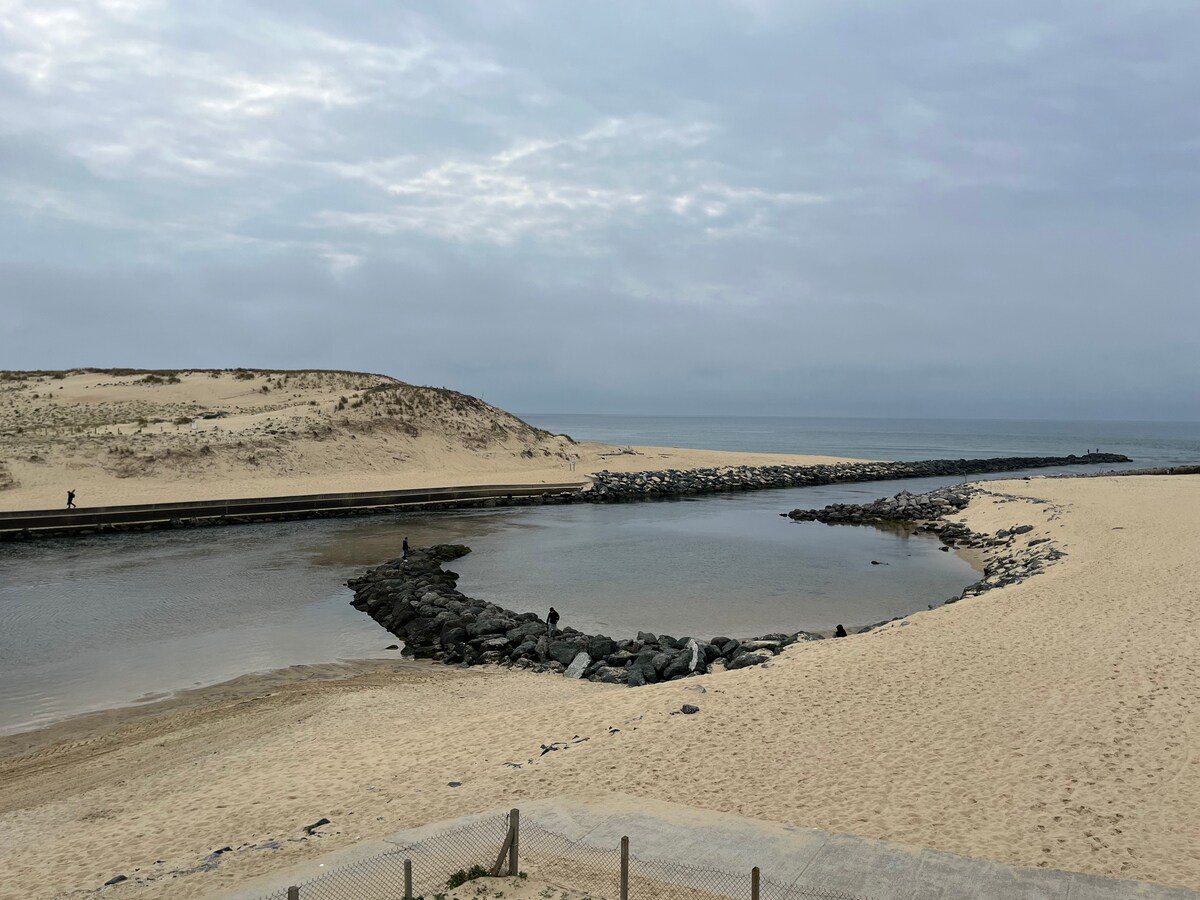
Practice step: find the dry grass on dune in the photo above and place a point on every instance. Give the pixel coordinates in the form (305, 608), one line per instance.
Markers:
(94, 428)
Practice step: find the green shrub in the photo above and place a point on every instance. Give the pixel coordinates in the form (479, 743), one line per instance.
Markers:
(462, 876)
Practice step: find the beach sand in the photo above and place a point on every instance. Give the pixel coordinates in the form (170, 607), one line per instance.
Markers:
(1050, 723)
(115, 440)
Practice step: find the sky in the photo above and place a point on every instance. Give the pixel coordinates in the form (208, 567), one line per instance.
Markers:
(939, 208)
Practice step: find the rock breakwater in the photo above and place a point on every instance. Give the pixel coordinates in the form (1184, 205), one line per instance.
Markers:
(610, 487)
(418, 601)
(1009, 556)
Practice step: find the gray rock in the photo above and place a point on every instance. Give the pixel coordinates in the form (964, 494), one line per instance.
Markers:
(601, 646)
(578, 664)
(744, 659)
(562, 651)
(488, 625)
(688, 710)
(620, 659)
(679, 666)
(607, 675)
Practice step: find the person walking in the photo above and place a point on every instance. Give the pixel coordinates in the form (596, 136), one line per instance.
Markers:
(552, 622)
(404, 549)
(71, 499)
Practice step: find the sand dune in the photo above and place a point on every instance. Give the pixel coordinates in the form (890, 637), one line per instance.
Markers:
(198, 435)
(1051, 723)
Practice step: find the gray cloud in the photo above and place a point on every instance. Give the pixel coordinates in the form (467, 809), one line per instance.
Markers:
(932, 208)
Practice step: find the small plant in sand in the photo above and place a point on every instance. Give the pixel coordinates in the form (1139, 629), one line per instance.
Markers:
(462, 876)
(182, 420)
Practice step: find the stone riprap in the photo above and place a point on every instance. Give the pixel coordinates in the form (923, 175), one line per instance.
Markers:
(610, 487)
(418, 601)
(1006, 562)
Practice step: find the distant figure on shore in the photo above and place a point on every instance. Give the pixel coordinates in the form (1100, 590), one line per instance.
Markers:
(552, 622)
(841, 632)
(571, 461)
(70, 499)
(404, 549)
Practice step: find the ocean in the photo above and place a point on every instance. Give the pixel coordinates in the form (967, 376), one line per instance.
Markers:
(1147, 443)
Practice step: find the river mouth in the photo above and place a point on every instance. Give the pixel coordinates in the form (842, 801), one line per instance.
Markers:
(93, 623)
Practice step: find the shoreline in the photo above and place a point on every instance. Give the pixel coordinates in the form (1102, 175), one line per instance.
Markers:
(944, 731)
(605, 487)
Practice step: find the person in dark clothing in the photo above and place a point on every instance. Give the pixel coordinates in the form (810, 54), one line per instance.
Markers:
(552, 621)
(70, 499)
(404, 549)
(841, 631)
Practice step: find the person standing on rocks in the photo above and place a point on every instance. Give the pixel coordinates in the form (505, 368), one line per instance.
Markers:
(552, 622)
(71, 499)
(404, 549)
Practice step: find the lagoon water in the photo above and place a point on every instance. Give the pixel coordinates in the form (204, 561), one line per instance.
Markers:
(97, 622)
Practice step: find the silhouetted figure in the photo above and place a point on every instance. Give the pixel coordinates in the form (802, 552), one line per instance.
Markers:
(841, 632)
(404, 549)
(70, 499)
(552, 621)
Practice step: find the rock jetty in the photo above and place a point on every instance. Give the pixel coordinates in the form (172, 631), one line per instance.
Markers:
(1007, 560)
(610, 487)
(417, 600)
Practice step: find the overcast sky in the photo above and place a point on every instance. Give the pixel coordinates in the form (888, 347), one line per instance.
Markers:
(885, 207)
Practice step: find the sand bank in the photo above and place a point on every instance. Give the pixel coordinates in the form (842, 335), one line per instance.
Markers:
(1050, 723)
(120, 440)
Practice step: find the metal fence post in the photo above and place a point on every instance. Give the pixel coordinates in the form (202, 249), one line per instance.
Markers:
(293, 893)
(754, 883)
(408, 880)
(625, 868)
(514, 823)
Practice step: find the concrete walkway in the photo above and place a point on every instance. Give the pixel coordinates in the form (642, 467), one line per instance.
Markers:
(801, 857)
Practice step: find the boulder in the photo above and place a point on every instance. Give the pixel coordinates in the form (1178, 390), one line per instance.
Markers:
(620, 658)
(578, 665)
(607, 675)
(562, 651)
(679, 666)
(601, 646)
(744, 659)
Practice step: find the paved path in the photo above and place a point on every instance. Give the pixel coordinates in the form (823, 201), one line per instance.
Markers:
(802, 857)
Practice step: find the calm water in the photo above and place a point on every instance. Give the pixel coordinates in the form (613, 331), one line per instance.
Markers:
(92, 623)
(1148, 443)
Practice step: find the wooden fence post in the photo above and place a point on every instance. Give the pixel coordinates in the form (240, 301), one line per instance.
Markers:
(514, 823)
(504, 852)
(754, 883)
(625, 868)
(408, 880)
(293, 893)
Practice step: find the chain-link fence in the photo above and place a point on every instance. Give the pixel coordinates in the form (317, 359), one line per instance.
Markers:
(428, 868)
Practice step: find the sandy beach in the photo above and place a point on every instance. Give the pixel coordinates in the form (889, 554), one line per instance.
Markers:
(1050, 723)
(121, 439)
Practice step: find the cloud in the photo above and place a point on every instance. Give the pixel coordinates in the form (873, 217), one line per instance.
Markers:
(750, 206)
